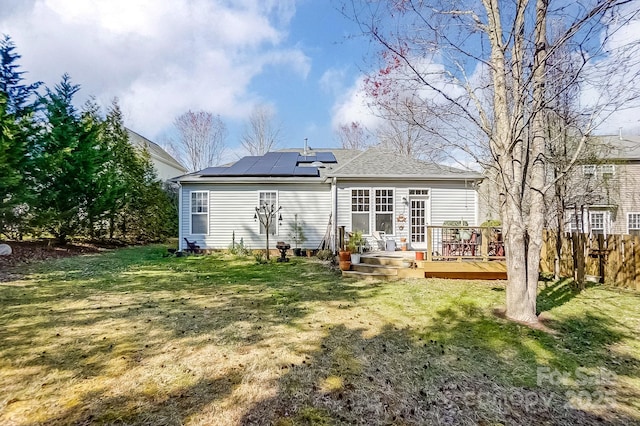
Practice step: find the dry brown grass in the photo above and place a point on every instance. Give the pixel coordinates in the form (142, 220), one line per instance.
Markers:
(129, 337)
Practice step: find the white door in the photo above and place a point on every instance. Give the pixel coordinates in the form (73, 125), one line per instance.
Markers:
(418, 221)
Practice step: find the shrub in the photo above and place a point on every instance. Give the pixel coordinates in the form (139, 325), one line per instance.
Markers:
(325, 255)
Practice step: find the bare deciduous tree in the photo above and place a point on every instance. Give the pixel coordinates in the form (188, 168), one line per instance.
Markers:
(353, 136)
(201, 139)
(482, 69)
(261, 134)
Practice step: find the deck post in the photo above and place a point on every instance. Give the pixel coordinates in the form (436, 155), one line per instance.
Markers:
(484, 247)
(429, 244)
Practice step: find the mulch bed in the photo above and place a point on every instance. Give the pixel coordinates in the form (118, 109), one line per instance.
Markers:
(25, 252)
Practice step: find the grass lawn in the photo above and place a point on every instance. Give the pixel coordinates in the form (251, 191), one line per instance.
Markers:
(130, 337)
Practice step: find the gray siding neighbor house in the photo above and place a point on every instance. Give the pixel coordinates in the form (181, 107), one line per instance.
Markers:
(373, 191)
(606, 193)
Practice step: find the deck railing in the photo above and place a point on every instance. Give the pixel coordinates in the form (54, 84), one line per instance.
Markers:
(464, 242)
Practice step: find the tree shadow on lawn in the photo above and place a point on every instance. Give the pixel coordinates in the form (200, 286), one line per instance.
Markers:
(557, 293)
(147, 407)
(81, 321)
(465, 367)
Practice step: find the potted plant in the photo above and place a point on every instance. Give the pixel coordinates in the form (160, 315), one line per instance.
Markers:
(355, 244)
(296, 233)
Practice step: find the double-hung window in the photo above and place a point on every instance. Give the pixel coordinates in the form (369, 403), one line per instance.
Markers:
(384, 210)
(199, 212)
(633, 224)
(372, 207)
(597, 223)
(360, 210)
(268, 204)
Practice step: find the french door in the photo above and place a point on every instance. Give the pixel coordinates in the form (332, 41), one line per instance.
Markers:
(418, 220)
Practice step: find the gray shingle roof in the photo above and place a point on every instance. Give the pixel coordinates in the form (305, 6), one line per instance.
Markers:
(155, 150)
(377, 163)
(614, 147)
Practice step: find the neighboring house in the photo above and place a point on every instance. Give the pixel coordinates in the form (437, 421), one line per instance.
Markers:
(370, 191)
(605, 197)
(602, 192)
(165, 165)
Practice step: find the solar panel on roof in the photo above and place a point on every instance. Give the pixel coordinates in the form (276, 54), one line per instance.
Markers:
(306, 159)
(213, 171)
(326, 157)
(242, 166)
(306, 171)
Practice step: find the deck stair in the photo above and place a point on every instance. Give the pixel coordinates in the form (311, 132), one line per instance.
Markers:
(384, 265)
(391, 265)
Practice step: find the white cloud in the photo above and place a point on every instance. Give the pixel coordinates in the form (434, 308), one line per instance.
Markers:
(159, 58)
(355, 106)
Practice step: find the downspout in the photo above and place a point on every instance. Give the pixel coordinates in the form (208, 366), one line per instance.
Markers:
(476, 200)
(180, 218)
(334, 213)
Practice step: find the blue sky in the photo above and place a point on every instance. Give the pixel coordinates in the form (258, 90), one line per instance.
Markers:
(164, 57)
(161, 58)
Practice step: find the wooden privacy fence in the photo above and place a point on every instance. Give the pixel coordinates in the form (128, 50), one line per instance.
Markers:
(611, 259)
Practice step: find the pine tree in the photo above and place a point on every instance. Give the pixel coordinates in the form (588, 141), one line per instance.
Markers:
(12, 159)
(11, 81)
(18, 137)
(58, 198)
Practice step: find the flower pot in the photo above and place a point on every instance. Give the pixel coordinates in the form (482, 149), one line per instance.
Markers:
(419, 255)
(355, 258)
(297, 252)
(345, 265)
(344, 255)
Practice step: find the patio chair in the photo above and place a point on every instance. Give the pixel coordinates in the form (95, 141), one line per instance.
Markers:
(380, 239)
(192, 247)
(469, 242)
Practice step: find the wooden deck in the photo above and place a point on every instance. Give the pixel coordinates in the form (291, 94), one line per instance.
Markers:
(392, 265)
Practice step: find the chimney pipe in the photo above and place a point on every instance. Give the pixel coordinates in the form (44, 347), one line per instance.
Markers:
(305, 147)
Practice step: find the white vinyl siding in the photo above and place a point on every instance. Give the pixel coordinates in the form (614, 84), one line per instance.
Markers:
(444, 201)
(232, 211)
(199, 213)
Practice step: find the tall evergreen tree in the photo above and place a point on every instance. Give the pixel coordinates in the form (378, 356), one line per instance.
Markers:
(58, 198)
(12, 159)
(18, 103)
(20, 96)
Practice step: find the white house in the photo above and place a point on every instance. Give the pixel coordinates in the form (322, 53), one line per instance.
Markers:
(371, 191)
(165, 165)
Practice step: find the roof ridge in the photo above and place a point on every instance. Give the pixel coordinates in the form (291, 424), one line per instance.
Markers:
(334, 171)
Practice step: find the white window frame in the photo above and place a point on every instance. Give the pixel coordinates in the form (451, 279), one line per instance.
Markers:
(604, 222)
(375, 211)
(598, 170)
(629, 228)
(275, 222)
(192, 212)
(365, 205)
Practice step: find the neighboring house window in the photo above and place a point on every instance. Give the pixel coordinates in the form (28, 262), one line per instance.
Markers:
(604, 170)
(589, 169)
(199, 212)
(384, 210)
(575, 222)
(268, 199)
(360, 208)
(597, 223)
(633, 223)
